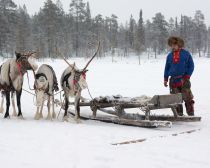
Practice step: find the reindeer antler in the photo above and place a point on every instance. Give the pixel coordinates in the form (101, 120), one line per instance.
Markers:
(72, 66)
(61, 55)
(30, 53)
(92, 57)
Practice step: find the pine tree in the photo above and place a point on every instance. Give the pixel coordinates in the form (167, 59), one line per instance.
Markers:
(24, 38)
(8, 21)
(171, 27)
(208, 43)
(160, 33)
(113, 31)
(148, 36)
(88, 17)
(77, 10)
(200, 31)
(50, 22)
(131, 32)
(140, 35)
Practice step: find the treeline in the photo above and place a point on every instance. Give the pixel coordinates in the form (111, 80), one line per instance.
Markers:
(52, 32)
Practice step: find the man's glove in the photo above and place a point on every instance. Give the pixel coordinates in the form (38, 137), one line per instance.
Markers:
(166, 83)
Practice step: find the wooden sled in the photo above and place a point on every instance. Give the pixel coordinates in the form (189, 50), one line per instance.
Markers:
(119, 116)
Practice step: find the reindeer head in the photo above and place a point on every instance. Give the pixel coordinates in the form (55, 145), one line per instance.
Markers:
(26, 60)
(79, 76)
(80, 79)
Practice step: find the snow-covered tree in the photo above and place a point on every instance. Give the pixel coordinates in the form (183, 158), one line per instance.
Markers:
(160, 33)
(78, 11)
(208, 43)
(131, 31)
(200, 31)
(140, 35)
(8, 21)
(24, 38)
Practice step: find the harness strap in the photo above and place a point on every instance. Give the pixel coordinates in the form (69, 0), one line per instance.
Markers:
(19, 69)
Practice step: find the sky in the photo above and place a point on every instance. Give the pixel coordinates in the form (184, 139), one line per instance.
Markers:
(124, 8)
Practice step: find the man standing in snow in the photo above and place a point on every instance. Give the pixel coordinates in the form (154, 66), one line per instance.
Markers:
(179, 67)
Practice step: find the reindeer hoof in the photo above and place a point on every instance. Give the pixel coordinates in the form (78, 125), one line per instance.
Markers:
(20, 117)
(54, 115)
(37, 116)
(1, 110)
(14, 114)
(65, 119)
(49, 117)
(6, 116)
(41, 115)
(78, 121)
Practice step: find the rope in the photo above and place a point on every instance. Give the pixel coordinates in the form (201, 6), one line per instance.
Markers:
(58, 93)
(29, 82)
(29, 92)
(90, 93)
(60, 108)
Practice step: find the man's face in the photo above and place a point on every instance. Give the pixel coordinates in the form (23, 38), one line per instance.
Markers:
(175, 47)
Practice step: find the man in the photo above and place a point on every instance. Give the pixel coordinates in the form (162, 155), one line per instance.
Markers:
(179, 67)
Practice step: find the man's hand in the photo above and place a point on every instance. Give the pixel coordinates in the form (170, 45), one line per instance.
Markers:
(166, 83)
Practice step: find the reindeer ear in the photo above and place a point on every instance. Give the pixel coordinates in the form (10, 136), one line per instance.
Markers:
(18, 55)
(86, 71)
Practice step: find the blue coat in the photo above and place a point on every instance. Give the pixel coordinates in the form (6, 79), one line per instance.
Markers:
(178, 71)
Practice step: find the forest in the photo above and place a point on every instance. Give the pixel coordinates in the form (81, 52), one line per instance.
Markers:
(53, 32)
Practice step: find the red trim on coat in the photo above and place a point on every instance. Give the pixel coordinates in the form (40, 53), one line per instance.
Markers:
(186, 77)
(176, 56)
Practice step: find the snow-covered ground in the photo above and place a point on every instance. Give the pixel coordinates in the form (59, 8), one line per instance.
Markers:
(40, 144)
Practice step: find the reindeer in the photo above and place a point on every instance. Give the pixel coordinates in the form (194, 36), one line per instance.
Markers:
(45, 85)
(73, 81)
(11, 78)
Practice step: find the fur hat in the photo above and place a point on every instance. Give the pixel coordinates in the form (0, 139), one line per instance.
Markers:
(176, 40)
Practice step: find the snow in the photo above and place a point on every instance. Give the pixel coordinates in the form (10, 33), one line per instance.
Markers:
(29, 143)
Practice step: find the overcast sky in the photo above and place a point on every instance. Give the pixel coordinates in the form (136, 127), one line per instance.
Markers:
(124, 8)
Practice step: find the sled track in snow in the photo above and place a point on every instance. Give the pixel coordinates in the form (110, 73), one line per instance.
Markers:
(161, 136)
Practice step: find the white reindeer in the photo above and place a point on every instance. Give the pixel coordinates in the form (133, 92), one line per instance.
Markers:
(11, 79)
(45, 85)
(73, 81)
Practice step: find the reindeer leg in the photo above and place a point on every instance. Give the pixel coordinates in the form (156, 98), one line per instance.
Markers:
(49, 116)
(37, 115)
(41, 110)
(53, 108)
(19, 93)
(8, 104)
(77, 107)
(13, 104)
(65, 117)
(2, 103)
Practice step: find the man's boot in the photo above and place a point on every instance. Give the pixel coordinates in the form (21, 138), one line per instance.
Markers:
(190, 107)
